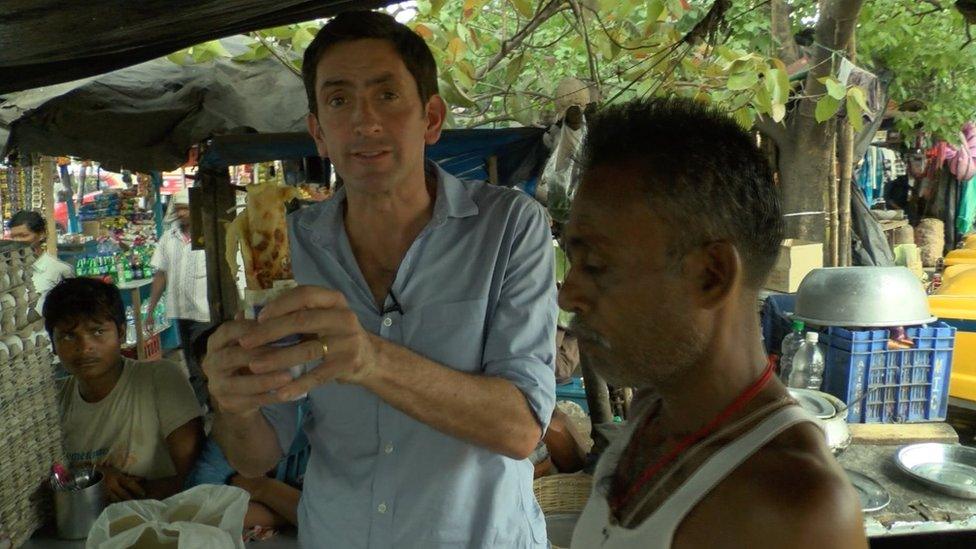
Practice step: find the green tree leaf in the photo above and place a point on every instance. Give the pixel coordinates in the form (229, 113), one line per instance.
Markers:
(854, 112)
(655, 8)
(857, 94)
(826, 108)
(181, 57)
(514, 69)
(301, 39)
(834, 88)
(778, 112)
(745, 117)
(743, 80)
(523, 7)
(435, 7)
(208, 51)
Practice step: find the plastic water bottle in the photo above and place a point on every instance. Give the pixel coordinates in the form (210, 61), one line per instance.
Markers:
(130, 326)
(808, 364)
(790, 345)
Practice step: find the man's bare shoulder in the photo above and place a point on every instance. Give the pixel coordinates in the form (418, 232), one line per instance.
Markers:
(790, 493)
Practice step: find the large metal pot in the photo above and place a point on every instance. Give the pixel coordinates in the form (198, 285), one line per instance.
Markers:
(862, 296)
(832, 413)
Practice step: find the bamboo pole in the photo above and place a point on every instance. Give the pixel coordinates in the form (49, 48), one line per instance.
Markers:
(833, 224)
(47, 180)
(846, 158)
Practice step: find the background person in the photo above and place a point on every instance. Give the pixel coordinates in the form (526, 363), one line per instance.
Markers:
(181, 272)
(671, 236)
(136, 422)
(29, 227)
(274, 496)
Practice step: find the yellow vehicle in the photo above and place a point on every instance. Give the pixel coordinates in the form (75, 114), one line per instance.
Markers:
(955, 304)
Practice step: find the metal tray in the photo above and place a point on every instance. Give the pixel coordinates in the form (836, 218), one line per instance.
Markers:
(948, 468)
(873, 496)
(814, 402)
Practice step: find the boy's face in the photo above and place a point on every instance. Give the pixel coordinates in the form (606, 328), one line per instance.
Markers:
(89, 348)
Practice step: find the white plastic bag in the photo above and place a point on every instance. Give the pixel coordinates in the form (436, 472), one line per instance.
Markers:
(205, 517)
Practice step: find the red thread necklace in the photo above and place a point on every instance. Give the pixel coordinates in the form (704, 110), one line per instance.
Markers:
(622, 497)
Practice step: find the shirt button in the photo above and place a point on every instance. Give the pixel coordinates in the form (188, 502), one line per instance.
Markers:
(388, 322)
(389, 448)
(381, 508)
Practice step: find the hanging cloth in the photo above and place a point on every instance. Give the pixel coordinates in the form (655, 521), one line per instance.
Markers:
(967, 208)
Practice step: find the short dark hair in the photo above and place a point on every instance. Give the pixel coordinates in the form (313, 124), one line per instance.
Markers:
(363, 24)
(77, 299)
(703, 174)
(33, 220)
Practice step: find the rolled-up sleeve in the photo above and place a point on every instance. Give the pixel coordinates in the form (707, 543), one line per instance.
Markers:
(283, 418)
(521, 334)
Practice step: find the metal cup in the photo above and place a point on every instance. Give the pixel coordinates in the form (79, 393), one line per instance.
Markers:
(77, 510)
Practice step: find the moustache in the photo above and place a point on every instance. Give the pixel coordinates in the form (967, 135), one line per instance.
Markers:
(584, 333)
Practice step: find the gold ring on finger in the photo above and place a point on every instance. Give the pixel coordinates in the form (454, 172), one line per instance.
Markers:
(325, 348)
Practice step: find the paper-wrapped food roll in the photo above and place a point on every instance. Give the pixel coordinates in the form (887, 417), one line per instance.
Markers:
(260, 232)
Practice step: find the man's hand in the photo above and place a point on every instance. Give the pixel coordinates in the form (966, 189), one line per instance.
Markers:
(323, 317)
(235, 387)
(120, 486)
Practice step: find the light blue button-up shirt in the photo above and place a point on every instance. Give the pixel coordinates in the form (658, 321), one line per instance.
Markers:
(477, 294)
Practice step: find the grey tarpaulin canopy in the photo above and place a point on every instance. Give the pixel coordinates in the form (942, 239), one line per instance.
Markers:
(146, 117)
(44, 42)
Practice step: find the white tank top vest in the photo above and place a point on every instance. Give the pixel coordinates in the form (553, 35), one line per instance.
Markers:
(594, 531)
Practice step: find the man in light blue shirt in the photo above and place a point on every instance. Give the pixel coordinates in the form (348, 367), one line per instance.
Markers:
(432, 305)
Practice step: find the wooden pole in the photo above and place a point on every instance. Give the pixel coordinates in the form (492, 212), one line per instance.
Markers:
(47, 181)
(845, 156)
(833, 225)
(493, 170)
(217, 198)
(846, 159)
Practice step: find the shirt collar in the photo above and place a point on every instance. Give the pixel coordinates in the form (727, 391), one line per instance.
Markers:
(453, 201)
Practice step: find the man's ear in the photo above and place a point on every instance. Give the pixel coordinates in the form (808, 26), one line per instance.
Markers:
(315, 130)
(436, 113)
(713, 272)
(121, 329)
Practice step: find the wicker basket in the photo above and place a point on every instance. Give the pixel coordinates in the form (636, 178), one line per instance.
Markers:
(562, 494)
(30, 429)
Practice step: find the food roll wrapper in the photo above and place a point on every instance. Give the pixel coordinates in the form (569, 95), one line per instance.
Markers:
(254, 302)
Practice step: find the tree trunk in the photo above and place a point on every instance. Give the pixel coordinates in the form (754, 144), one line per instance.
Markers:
(807, 151)
(782, 30)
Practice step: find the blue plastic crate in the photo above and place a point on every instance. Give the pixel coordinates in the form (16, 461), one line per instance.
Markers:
(573, 391)
(896, 386)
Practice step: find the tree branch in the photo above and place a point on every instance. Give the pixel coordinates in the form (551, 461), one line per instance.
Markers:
(594, 75)
(551, 9)
(494, 120)
(782, 30)
(277, 56)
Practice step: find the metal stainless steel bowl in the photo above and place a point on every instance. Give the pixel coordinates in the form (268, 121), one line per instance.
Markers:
(862, 296)
(948, 468)
(832, 413)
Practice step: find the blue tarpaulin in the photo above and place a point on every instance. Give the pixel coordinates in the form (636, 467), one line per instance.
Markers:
(520, 152)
